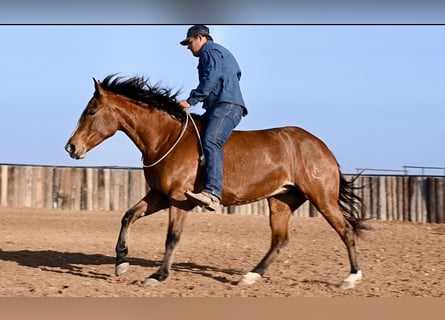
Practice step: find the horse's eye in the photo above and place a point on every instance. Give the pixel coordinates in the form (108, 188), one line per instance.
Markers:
(91, 112)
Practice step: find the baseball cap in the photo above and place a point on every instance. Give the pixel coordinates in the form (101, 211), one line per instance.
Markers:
(194, 31)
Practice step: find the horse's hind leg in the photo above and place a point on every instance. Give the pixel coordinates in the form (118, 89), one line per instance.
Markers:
(151, 203)
(334, 216)
(281, 208)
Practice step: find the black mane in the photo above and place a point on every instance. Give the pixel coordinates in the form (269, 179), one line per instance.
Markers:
(139, 89)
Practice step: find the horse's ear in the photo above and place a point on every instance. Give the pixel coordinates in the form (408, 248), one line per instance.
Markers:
(97, 87)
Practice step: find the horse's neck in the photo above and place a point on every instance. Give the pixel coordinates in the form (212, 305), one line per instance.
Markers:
(150, 130)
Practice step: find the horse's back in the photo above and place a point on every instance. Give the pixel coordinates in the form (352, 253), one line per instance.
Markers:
(263, 162)
(293, 143)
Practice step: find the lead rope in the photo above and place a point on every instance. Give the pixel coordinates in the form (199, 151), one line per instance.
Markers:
(184, 127)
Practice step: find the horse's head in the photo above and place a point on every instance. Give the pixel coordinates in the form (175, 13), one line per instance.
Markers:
(96, 124)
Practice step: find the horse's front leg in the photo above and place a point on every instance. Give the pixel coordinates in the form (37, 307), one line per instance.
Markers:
(151, 203)
(176, 225)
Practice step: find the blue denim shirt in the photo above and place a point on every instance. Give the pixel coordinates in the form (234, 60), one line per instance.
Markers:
(219, 75)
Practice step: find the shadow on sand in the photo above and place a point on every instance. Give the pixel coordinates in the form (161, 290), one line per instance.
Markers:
(74, 263)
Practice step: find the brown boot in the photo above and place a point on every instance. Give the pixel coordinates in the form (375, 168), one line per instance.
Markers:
(204, 199)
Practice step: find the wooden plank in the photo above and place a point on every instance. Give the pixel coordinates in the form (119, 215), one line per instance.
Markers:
(134, 183)
(29, 191)
(96, 187)
(406, 198)
(304, 210)
(26, 185)
(77, 195)
(89, 188)
(39, 187)
(395, 198)
(61, 177)
(84, 189)
(419, 199)
(107, 189)
(361, 189)
(21, 186)
(68, 188)
(388, 197)
(115, 185)
(430, 198)
(412, 199)
(248, 209)
(124, 190)
(50, 201)
(394, 211)
(11, 187)
(381, 191)
(400, 195)
(440, 198)
(373, 183)
(18, 191)
(313, 212)
(254, 208)
(257, 208)
(13, 192)
(366, 196)
(423, 187)
(4, 186)
(56, 187)
(264, 208)
(437, 199)
(99, 203)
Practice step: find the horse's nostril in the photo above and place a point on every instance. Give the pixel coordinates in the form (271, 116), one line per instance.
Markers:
(69, 147)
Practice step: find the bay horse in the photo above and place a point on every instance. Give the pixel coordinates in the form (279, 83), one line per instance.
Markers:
(287, 166)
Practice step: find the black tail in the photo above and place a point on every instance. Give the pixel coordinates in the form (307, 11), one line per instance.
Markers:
(352, 204)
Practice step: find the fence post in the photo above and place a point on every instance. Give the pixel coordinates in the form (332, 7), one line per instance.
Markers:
(4, 186)
(440, 199)
(107, 174)
(431, 199)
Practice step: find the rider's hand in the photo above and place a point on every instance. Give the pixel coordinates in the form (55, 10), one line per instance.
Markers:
(184, 104)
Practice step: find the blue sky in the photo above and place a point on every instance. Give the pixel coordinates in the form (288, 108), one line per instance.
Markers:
(374, 94)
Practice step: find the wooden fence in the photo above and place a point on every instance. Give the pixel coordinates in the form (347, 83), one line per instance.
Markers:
(403, 198)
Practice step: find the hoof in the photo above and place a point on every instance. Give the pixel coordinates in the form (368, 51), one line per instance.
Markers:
(122, 268)
(151, 282)
(250, 278)
(351, 280)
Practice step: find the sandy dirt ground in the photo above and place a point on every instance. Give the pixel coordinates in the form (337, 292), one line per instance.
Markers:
(53, 253)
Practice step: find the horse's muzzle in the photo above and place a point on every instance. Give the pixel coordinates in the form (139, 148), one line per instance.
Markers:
(75, 154)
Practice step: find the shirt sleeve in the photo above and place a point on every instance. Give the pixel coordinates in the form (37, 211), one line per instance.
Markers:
(210, 65)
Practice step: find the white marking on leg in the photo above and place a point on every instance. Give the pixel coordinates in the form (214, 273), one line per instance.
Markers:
(151, 282)
(122, 268)
(250, 278)
(351, 280)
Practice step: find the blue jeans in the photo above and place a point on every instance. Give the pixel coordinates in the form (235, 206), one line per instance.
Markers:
(221, 120)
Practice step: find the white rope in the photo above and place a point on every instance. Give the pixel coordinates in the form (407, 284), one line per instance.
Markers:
(184, 127)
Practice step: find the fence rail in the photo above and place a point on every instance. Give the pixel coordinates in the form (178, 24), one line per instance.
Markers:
(402, 198)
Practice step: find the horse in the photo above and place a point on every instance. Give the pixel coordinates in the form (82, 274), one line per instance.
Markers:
(285, 165)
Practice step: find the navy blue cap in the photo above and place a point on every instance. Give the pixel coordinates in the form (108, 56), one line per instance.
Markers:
(194, 31)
